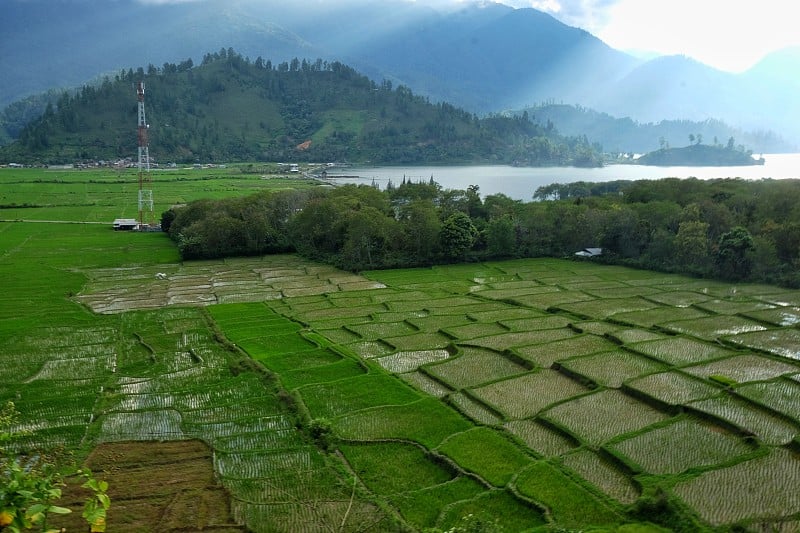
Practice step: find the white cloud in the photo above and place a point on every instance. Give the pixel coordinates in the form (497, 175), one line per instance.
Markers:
(727, 35)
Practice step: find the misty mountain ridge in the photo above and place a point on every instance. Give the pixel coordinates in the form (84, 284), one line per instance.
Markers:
(484, 57)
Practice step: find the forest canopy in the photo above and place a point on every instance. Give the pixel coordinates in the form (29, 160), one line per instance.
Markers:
(731, 229)
(230, 108)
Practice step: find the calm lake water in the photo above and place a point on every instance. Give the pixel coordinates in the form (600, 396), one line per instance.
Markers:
(520, 183)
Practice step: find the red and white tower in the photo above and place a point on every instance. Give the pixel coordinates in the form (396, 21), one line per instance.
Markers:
(145, 192)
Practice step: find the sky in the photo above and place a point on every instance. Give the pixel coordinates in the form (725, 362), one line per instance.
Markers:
(730, 35)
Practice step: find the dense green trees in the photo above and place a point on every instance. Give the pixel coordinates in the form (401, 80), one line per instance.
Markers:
(231, 109)
(732, 229)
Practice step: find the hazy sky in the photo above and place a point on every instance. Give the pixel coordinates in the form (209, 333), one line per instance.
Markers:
(726, 34)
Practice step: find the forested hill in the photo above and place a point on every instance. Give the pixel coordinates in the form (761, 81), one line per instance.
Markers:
(232, 109)
(696, 155)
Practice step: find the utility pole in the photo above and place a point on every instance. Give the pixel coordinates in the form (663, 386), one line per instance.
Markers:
(145, 191)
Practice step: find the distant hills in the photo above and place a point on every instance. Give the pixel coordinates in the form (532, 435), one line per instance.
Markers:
(624, 135)
(232, 109)
(484, 57)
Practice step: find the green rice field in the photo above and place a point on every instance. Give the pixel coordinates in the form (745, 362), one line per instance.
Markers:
(532, 395)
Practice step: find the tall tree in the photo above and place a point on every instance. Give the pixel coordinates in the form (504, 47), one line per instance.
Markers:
(457, 236)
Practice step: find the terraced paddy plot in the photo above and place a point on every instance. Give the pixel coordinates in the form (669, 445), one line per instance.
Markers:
(658, 315)
(612, 368)
(784, 342)
(781, 395)
(546, 300)
(263, 348)
(678, 298)
(409, 361)
(743, 368)
(604, 308)
(432, 324)
(203, 283)
(768, 428)
(777, 316)
(536, 323)
(473, 366)
(781, 299)
(370, 349)
(472, 331)
(378, 330)
(603, 475)
(513, 293)
(631, 335)
(570, 504)
(393, 467)
(144, 425)
(328, 400)
(600, 416)
(733, 306)
(487, 453)
(680, 351)
(714, 327)
(426, 384)
(423, 508)
(673, 388)
(502, 312)
(346, 368)
(526, 395)
(474, 409)
(539, 438)
(508, 340)
(427, 422)
(596, 327)
(623, 291)
(683, 444)
(342, 313)
(419, 341)
(544, 355)
(515, 514)
(752, 491)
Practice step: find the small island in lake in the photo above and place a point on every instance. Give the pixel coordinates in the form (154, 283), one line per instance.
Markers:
(700, 155)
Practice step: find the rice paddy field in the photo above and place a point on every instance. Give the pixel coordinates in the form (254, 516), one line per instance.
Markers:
(530, 395)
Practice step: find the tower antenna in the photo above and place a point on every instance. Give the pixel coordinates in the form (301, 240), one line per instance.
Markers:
(145, 191)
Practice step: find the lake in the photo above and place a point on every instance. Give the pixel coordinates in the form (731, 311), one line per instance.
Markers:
(521, 182)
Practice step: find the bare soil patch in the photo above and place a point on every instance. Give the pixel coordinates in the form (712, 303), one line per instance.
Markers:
(155, 486)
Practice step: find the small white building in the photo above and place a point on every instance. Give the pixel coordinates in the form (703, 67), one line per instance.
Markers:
(125, 224)
(590, 252)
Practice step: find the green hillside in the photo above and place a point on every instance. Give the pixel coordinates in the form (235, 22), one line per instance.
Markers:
(232, 109)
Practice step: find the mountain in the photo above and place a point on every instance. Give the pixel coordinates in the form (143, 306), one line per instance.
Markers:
(231, 109)
(678, 87)
(483, 56)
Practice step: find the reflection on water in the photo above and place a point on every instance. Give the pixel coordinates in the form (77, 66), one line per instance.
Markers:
(520, 183)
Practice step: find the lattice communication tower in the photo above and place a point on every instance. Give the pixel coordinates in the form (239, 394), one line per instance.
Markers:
(145, 184)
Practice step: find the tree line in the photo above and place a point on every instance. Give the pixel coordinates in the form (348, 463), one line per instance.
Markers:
(731, 229)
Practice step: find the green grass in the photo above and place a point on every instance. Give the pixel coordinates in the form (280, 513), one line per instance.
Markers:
(422, 508)
(487, 453)
(498, 508)
(328, 400)
(395, 467)
(571, 505)
(427, 421)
